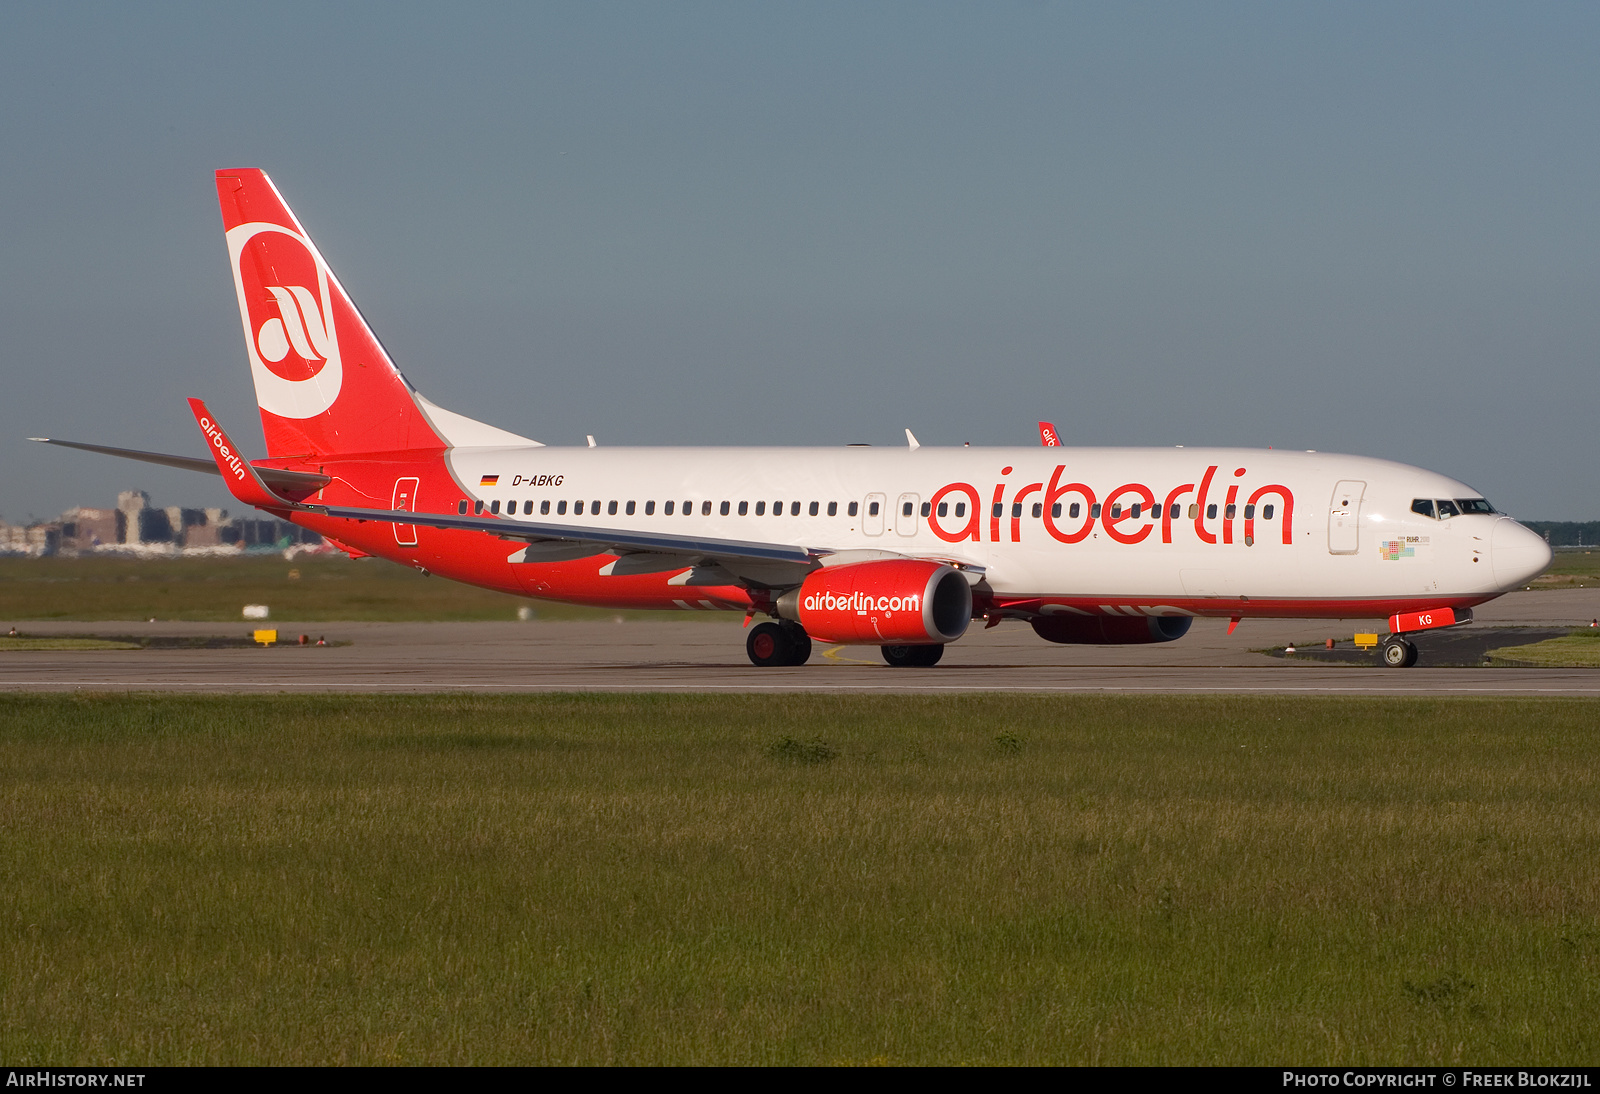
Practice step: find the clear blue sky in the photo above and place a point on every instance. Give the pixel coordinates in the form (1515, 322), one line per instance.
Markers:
(1366, 228)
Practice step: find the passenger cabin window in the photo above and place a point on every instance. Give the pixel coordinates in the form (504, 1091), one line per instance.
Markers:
(813, 510)
(961, 509)
(1232, 509)
(1055, 510)
(594, 507)
(611, 508)
(577, 508)
(630, 508)
(726, 506)
(1116, 511)
(461, 510)
(855, 507)
(1266, 512)
(561, 508)
(1094, 511)
(494, 507)
(1136, 510)
(477, 508)
(1038, 510)
(777, 508)
(944, 509)
(666, 510)
(649, 508)
(744, 508)
(927, 507)
(1423, 507)
(872, 509)
(833, 508)
(544, 507)
(1194, 511)
(1211, 512)
(1075, 510)
(906, 509)
(1016, 509)
(688, 508)
(794, 509)
(999, 510)
(705, 509)
(527, 508)
(1447, 508)
(761, 508)
(1249, 512)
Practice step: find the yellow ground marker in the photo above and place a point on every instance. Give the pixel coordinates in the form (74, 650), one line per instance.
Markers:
(266, 638)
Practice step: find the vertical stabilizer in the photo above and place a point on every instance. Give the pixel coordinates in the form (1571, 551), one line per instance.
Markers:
(323, 381)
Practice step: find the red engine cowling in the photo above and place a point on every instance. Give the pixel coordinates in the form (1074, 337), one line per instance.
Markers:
(1107, 630)
(892, 601)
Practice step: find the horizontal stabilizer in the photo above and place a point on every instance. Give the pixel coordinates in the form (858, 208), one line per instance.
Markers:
(297, 481)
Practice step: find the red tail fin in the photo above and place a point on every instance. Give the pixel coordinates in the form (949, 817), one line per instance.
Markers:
(1048, 435)
(324, 383)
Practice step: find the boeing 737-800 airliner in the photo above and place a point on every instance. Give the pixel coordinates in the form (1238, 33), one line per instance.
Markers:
(900, 548)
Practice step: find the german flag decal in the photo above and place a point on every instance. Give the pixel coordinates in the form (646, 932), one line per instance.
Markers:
(489, 480)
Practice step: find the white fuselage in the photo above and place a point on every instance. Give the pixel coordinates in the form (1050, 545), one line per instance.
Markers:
(1353, 539)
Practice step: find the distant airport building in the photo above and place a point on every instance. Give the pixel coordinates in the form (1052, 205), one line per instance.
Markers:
(137, 527)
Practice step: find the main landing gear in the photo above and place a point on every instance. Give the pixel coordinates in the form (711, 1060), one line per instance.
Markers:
(773, 644)
(1397, 653)
(907, 657)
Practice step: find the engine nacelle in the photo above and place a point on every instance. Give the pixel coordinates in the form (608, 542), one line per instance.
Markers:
(885, 602)
(1111, 630)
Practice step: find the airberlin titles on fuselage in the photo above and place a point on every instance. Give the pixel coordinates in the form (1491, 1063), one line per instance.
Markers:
(1069, 511)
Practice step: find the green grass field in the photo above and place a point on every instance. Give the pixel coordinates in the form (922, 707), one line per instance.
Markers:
(676, 879)
(1570, 570)
(308, 589)
(1580, 649)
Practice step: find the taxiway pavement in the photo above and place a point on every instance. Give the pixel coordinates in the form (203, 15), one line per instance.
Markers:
(707, 654)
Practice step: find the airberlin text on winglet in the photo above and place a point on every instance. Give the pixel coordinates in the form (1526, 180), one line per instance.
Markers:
(219, 439)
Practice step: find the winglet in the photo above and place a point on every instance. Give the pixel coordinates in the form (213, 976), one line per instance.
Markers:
(237, 472)
(1048, 435)
(911, 440)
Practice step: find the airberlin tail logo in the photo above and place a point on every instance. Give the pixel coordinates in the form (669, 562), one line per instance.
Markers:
(286, 303)
(298, 326)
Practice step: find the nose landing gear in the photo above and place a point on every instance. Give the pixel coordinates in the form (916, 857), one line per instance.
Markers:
(1397, 653)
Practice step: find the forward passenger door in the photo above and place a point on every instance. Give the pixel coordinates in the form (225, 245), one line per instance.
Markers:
(1344, 517)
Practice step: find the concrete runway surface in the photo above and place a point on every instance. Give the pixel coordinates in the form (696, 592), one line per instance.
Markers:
(706, 654)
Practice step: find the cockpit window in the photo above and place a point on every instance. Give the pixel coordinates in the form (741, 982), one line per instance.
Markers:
(1447, 508)
(1474, 505)
(1422, 506)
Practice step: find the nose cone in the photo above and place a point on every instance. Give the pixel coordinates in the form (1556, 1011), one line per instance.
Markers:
(1517, 555)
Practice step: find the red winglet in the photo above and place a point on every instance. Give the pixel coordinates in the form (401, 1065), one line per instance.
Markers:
(242, 480)
(1048, 435)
